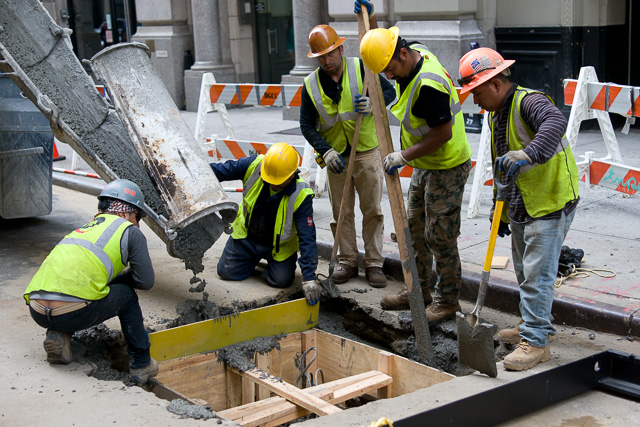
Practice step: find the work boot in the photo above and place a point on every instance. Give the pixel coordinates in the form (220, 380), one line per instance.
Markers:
(376, 277)
(57, 344)
(343, 273)
(141, 375)
(526, 356)
(440, 311)
(400, 301)
(512, 335)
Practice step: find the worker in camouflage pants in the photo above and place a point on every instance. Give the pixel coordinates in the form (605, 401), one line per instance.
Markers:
(435, 199)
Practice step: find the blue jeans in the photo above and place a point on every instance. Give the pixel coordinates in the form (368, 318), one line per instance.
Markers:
(241, 256)
(535, 248)
(121, 301)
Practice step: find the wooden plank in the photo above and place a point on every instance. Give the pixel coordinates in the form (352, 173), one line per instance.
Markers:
(286, 390)
(248, 391)
(209, 335)
(339, 357)
(409, 376)
(499, 262)
(278, 410)
(234, 388)
(385, 365)
(362, 387)
(262, 363)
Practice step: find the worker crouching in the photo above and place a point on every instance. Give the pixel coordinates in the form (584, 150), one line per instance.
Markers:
(274, 222)
(85, 280)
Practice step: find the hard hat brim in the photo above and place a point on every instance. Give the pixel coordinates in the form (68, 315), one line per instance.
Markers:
(487, 76)
(324, 52)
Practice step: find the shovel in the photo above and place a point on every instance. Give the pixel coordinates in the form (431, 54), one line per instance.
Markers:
(475, 339)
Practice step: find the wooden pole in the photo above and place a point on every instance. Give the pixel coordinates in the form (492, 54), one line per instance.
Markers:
(396, 200)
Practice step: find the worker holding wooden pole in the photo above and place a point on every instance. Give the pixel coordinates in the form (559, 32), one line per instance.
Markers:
(434, 143)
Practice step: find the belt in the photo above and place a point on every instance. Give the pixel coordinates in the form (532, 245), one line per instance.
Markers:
(57, 311)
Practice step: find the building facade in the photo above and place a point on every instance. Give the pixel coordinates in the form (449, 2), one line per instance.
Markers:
(265, 41)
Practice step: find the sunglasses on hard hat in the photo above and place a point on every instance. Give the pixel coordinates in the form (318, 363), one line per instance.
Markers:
(463, 81)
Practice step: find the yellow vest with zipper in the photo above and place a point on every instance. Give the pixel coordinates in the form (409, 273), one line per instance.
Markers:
(547, 187)
(285, 238)
(84, 261)
(455, 151)
(336, 123)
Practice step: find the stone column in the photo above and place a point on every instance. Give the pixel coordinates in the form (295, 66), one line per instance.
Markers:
(306, 15)
(163, 27)
(211, 45)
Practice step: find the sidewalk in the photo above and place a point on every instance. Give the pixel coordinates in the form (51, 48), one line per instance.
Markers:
(604, 227)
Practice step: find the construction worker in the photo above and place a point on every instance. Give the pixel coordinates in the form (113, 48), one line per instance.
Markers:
(332, 97)
(85, 280)
(527, 136)
(434, 143)
(273, 222)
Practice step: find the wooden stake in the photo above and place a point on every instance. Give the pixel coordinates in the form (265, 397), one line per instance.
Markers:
(396, 200)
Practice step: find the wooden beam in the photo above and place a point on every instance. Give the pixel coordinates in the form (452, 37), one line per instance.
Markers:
(292, 393)
(262, 363)
(385, 365)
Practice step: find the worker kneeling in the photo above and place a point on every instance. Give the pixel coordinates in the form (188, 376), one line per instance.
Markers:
(85, 280)
(275, 220)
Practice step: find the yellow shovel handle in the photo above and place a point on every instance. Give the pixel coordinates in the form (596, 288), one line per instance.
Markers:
(495, 224)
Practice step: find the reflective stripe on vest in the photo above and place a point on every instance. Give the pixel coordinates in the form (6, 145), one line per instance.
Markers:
(558, 177)
(454, 105)
(97, 248)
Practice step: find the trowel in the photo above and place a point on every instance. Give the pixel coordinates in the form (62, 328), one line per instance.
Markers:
(475, 338)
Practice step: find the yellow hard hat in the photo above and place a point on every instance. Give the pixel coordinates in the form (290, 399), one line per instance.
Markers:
(279, 164)
(377, 47)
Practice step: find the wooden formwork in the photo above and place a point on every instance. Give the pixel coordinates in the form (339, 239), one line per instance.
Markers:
(267, 395)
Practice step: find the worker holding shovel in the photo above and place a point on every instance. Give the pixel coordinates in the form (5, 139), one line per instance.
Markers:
(435, 144)
(527, 137)
(332, 98)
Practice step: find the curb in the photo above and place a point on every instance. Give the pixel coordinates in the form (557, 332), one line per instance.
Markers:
(504, 296)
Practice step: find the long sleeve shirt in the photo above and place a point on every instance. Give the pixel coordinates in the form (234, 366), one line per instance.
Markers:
(309, 114)
(549, 125)
(260, 230)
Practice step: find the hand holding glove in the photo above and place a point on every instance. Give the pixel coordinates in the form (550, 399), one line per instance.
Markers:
(512, 161)
(363, 104)
(365, 3)
(334, 161)
(393, 161)
(311, 291)
(503, 228)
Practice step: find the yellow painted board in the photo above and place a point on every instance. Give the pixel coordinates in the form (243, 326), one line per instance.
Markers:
(208, 335)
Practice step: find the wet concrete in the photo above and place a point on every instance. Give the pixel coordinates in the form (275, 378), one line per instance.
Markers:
(187, 410)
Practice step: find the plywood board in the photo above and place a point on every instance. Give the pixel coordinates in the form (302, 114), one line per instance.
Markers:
(499, 262)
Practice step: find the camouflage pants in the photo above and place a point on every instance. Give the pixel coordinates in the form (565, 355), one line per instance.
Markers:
(435, 200)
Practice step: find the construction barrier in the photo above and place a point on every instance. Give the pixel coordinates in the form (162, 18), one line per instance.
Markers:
(589, 99)
(75, 172)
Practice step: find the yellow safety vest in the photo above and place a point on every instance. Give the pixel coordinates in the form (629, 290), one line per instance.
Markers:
(285, 238)
(337, 123)
(84, 261)
(413, 129)
(547, 187)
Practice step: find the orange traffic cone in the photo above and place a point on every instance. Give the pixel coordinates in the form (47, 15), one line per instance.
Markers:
(56, 155)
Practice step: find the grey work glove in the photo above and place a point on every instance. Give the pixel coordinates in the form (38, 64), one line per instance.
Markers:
(368, 4)
(393, 161)
(503, 228)
(311, 291)
(512, 161)
(334, 161)
(363, 104)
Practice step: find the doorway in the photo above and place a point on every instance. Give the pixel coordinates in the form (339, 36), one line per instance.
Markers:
(274, 39)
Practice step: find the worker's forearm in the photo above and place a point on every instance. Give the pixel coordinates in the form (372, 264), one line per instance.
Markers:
(435, 139)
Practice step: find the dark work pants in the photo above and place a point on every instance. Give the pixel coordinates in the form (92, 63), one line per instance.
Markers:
(122, 301)
(241, 256)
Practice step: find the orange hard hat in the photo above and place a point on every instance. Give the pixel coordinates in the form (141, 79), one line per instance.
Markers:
(480, 65)
(323, 39)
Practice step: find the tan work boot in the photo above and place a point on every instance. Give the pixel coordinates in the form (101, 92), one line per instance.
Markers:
(343, 273)
(58, 347)
(440, 311)
(512, 335)
(141, 375)
(376, 277)
(526, 356)
(400, 301)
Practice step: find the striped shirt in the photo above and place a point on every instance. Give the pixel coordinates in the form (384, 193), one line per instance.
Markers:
(549, 125)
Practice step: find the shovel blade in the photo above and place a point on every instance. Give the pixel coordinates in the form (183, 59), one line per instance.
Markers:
(475, 346)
